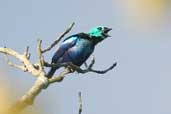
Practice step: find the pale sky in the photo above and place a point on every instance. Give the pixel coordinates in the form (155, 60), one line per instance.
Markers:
(140, 43)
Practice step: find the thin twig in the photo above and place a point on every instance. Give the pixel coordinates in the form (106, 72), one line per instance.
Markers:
(61, 76)
(46, 64)
(103, 71)
(29, 66)
(79, 70)
(92, 63)
(40, 57)
(26, 52)
(80, 103)
(85, 64)
(59, 38)
(21, 67)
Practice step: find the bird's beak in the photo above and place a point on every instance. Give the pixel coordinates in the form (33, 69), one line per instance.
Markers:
(106, 30)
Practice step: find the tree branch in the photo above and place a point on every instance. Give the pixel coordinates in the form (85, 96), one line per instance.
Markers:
(59, 38)
(21, 57)
(41, 83)
(26, 53)
(40, 57)
(80, 103)
(79, 70)
(29, 97)
(21, 67)
(61, 76)
(37, 70)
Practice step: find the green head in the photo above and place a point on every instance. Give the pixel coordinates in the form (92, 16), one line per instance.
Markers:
(99, 33)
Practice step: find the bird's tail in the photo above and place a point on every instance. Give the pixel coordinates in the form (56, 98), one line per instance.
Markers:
(51, 72)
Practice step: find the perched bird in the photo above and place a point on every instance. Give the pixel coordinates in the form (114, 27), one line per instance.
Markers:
(77, 48)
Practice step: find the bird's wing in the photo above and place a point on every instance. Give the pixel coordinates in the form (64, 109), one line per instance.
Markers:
(66, 44)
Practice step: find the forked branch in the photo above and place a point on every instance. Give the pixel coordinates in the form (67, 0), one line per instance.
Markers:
(37, 70)
(59, 38)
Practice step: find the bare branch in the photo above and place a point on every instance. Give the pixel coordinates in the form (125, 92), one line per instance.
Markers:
(26, 53)
(40, 57)
(89, 69)
(85, 64)
(46, 64)
(103, 71)
(22, 58)
(42, 82)
(59, 38)
(61, 76)
(78, 69)
(37, 70)
(92, 62)
(28, 98)
(11, 52)
(80, 103)
(29, 66)
(21, 67)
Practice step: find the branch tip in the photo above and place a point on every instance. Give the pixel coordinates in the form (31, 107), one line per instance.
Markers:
(80, 103)
(58, 39)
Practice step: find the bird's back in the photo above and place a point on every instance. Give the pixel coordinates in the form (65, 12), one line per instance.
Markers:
(75, 49)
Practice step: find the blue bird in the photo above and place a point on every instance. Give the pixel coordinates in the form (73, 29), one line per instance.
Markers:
(77, 48)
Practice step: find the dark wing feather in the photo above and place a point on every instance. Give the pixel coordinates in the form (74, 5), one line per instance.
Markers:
(66, 44)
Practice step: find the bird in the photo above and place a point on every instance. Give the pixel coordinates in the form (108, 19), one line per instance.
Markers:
(78, 47)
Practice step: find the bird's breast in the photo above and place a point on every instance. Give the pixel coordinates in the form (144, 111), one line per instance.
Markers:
(81, 51)
(84, 46)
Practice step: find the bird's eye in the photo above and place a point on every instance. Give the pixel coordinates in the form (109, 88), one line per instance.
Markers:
(100, 28)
